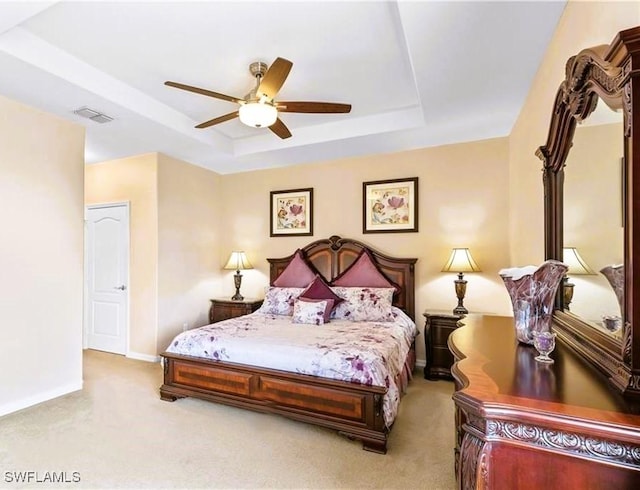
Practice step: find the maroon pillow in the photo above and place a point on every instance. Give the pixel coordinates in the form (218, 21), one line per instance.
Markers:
(319, 289)
(364, 273)
(297, 274)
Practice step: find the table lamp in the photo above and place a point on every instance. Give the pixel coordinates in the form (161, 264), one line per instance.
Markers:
(577, 266)
(461, 261)
(238, 262)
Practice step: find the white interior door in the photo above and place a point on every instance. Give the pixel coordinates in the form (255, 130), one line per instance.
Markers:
(107, 278)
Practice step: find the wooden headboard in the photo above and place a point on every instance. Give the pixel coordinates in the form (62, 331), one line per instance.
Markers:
(334, 255)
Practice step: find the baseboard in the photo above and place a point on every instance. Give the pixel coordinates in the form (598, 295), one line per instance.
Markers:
(11, 407)
(143, 357)
(421, 363)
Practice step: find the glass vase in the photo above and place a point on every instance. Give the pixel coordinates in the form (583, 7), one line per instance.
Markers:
(532, 291)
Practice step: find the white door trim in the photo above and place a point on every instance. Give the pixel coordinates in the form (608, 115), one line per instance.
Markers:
(86, 308)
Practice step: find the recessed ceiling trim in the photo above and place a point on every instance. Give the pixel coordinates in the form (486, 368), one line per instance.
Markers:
(31, 49)
(18, 12)
(407, 118)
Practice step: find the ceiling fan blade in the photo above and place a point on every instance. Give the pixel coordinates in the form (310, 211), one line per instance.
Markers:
(313, 107)
(280, 129)
(203, 91)
(218, 120)
(273, 80)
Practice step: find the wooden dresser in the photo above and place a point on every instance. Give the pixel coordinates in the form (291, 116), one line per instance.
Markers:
(521, 424)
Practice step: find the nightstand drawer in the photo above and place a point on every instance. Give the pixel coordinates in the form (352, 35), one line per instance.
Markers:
(441, 357)
(441, 334)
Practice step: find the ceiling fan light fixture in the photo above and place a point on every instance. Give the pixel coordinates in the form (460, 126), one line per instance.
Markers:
(258, 114)
(258, 108)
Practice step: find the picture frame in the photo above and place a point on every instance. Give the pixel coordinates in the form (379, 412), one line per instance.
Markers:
(291, 212)
(390, 206)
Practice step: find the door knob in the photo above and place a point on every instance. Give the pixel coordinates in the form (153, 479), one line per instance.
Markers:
(121, 288)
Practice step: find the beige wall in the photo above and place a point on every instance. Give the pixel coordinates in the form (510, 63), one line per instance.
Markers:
(41, 173)
(582, 25)
(134, 180)
(188, 240)
(174, 267)
(463, 201)
(202, 217)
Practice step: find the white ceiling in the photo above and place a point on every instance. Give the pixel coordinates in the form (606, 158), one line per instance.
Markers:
(417, 74)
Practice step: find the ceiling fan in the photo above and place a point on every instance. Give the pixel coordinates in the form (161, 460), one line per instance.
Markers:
(259, 108)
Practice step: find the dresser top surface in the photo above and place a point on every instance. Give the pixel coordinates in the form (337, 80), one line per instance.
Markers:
(496, 369)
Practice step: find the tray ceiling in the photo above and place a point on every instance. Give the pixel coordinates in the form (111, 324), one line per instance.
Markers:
(417, 74)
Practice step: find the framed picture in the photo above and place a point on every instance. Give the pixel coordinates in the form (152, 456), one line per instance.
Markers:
(390, 206)
(291, 212)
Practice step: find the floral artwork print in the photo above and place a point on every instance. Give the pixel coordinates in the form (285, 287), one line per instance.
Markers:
(292, 212)
(390, 206)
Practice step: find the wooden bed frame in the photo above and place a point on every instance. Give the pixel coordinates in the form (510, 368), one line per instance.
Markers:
(352, 409)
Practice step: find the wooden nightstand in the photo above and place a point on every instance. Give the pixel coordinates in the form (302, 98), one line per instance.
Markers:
(221, 309)
(437, 327)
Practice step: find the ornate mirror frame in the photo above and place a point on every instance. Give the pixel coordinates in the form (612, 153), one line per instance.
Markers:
(610, 74)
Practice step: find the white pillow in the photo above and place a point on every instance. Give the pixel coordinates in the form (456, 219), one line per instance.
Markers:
(279, 301)
(364, 304)
(311, 312)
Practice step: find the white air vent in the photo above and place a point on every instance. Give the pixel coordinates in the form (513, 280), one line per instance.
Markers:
(101, 118)
(96, 116)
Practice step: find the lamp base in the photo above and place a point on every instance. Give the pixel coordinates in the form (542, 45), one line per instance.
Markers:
(461, 289)
(460, 310)
(567, 292)
(237, 281)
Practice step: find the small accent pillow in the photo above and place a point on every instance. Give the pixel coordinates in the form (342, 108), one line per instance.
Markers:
(328, 308)
(279, 301)
(364, 304)
(364, 273)
(319, 289)
(297, 274)
(309, 311)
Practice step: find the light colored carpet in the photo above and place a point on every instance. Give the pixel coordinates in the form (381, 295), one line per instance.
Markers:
(117, 433)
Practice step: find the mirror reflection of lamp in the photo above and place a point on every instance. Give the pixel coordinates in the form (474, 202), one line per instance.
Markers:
(578, 267)
(461, 261)
(238, 261)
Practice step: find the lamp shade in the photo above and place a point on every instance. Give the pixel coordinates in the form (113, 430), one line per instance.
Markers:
(461, 261)
(238, 262)
(258, 114)
(577, 265)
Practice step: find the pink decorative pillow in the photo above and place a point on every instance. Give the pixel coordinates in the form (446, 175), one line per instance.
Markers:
(313, 311)
(297, 274)
(364, 273)
(319, 289)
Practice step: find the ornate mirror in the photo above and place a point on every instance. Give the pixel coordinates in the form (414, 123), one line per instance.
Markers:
(593, 232)
(592, 206)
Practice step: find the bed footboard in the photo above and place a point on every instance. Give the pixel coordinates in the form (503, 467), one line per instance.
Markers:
(353, 410)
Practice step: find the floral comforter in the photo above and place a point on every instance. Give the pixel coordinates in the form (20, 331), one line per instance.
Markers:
(371, 353)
